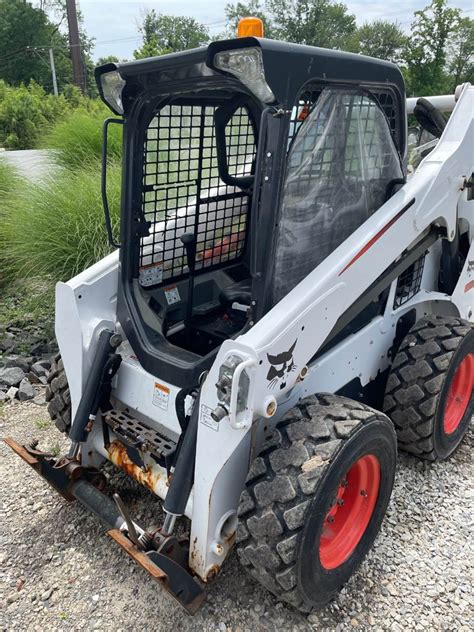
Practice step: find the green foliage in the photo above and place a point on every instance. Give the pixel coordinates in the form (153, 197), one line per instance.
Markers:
(109, 59)
(426, 51)
(77, 138)
(437, 56)
(169, 34)
(254, 8)
(24, 112)
(27, 302)
(55, 229)
(24, 28)
(42, 423)
(460, 53)
(381, 39)
(8, 178)
(323, 23)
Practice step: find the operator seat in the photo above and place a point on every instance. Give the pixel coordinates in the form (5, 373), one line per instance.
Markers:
(239, 292)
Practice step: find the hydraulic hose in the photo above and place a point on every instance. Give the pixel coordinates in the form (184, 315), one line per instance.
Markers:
(90, 395)
(183, 477)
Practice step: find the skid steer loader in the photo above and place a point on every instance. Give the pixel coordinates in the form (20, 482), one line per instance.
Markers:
(285, 301)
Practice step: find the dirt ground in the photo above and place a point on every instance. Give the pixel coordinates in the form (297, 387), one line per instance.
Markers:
(58, 571)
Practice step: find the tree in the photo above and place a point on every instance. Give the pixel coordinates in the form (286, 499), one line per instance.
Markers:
(381, 39)
(109, 59)
(253, 8)
(25, 34)
(323, 23)
(460, 53)
(426, 50)
(169, 34)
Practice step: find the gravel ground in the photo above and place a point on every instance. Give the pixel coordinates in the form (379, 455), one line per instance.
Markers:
(59, 572)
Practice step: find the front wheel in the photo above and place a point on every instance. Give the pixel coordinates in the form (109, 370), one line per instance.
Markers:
(315, 498)
(58, 396)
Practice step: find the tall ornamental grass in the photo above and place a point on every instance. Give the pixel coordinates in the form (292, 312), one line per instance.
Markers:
(56, 228)
(8, 179)
(77, 138)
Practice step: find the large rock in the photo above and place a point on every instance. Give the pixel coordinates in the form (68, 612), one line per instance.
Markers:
(22, 362)
(46, 362)
(11, 376)
(25, 390)
(33, 378)
(39, 369)
(6, 344)
(12, 391)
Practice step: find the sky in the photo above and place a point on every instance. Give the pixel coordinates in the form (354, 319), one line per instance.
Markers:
(114, 24)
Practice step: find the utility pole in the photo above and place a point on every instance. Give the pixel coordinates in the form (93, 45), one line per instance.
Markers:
(78, 76)
(53, 72)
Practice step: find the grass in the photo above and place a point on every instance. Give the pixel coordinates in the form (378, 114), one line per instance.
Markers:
(55, 229)
(26, 302)
(54, 449)
(42, 424)
(8, 178)
(77, 138)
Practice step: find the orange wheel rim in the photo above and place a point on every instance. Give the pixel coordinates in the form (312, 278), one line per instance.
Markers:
(459, 394)
(350, 512)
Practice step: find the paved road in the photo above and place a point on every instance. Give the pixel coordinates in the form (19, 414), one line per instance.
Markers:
(30, 163)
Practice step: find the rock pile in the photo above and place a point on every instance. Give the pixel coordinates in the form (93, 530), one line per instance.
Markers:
(26, 354)
(19, 373)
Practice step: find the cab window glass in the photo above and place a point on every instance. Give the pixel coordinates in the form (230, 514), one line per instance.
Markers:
(340, 166)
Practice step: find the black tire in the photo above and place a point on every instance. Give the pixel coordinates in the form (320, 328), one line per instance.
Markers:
(58, 396)
(421, 377)
(292, 486)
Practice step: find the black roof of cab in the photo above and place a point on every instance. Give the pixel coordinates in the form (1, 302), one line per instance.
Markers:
(287, 68)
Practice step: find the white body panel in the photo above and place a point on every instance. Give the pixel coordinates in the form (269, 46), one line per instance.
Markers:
(307, 314)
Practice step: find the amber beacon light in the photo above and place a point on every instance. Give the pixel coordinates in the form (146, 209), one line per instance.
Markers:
(250, 27)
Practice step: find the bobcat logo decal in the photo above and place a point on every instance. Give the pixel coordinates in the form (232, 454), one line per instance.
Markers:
(281, 366)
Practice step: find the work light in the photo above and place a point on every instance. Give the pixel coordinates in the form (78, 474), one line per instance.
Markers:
(112, 86)
(247, 65)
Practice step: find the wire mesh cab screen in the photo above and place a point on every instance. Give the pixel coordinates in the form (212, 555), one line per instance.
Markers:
(183, 191)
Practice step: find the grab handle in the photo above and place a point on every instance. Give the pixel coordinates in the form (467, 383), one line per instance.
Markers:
(237, 425)
(103, 180)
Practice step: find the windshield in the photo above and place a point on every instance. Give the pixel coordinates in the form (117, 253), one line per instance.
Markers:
(339, 168)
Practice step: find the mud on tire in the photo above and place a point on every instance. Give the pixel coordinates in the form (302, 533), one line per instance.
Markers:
(418, 387)
(292, 487)
(58, 396)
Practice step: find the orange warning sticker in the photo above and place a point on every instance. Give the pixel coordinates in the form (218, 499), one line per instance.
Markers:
(161, 396)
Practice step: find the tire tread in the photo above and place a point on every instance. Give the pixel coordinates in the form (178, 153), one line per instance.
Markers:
(417, 377)
(58, 396)
(273, 506)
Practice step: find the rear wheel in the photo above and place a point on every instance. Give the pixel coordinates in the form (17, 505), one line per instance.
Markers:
(58, 396)
(315, 498)
(429, 393)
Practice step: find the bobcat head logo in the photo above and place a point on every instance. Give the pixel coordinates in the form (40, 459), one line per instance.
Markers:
(281, 366)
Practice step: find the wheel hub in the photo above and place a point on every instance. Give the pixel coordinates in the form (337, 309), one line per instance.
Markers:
(459, 394)
(350, 513)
